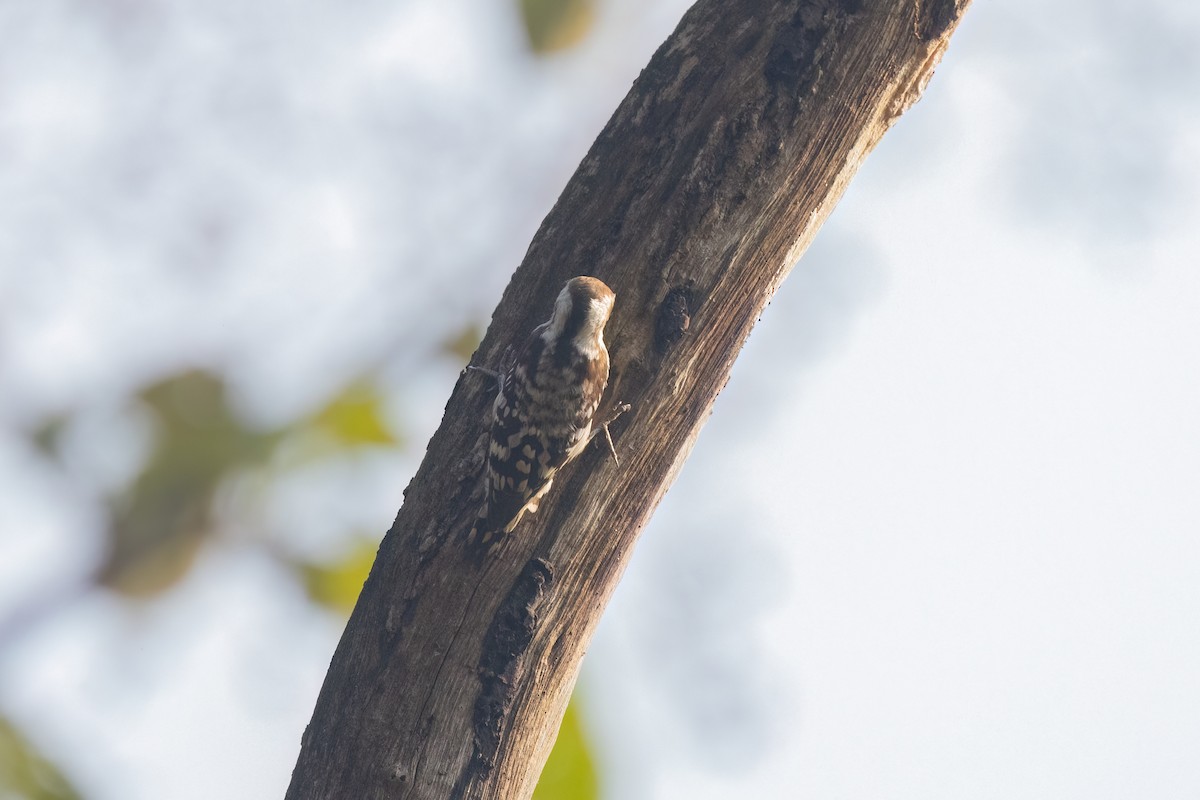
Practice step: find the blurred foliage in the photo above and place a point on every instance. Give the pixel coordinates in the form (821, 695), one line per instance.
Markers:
(554, 25)
(47, 435)
(336, 584)
(156, 527)
(160, 522)
(25, 774)
(570, 773)
(462, 345)
(355, 417)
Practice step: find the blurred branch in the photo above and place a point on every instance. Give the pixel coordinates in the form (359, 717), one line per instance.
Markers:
(695, 201)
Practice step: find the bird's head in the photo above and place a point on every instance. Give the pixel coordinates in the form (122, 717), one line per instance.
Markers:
(580, 313)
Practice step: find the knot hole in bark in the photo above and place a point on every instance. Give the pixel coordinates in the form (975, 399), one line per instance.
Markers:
(674, 317)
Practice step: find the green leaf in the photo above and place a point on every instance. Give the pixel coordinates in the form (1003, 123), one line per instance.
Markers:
(554, 25)
(570, 773)
(336, 585)
(26, 774)
(356, 416)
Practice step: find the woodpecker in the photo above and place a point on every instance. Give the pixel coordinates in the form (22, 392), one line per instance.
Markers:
(543, 413)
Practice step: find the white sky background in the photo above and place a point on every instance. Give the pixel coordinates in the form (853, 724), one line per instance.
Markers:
(938, 539)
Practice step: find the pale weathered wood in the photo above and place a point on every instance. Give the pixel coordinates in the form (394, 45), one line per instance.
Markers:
(694, 203)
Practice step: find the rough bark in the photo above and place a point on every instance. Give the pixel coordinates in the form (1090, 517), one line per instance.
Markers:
(693, 204)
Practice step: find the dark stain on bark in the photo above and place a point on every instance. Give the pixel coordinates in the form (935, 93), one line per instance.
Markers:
(674, 318)
(500, 663)
(934, 17)
(800, 52)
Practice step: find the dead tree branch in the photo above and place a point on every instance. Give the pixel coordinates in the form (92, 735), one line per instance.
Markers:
(693, 204)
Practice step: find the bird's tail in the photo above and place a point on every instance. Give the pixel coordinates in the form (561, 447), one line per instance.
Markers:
(490, 528)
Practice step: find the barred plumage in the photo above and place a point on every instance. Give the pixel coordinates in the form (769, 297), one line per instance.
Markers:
(543, 413)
